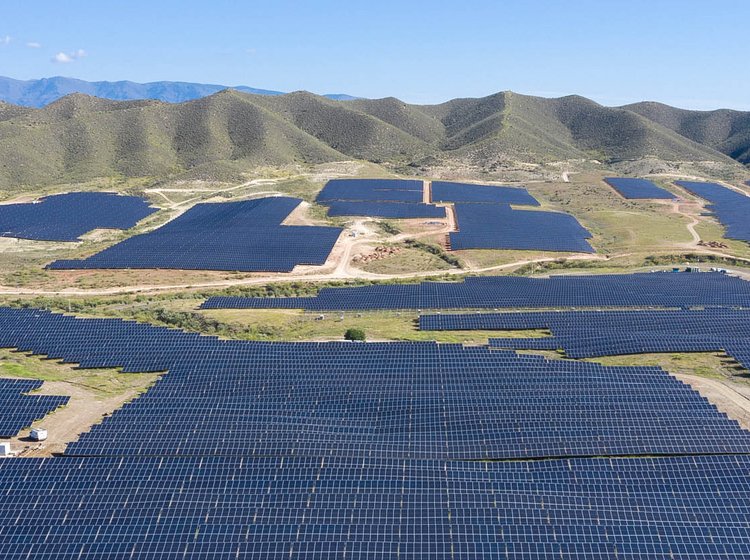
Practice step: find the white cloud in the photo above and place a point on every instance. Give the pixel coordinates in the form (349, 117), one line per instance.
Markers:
(6, 40)
(62, 58)
(34, 45)
(66, 58)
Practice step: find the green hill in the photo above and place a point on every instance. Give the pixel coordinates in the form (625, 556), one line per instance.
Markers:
(78, 137)
(723, 130)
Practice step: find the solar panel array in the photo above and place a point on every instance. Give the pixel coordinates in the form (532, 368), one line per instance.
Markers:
(380, 190)
(19, 410)
(632, 188)
(263, 450)
(445, 191)
(586, 334)
(616, 290)
(66, 217)
(237, 236)
(189, 508)
(395, 210)
(394, 400)
(731, 208)
(498, 226)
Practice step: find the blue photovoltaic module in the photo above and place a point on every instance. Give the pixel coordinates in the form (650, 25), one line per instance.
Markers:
(731, 207)
(414, 449)
(382, 190)
(661, 290)
(237, 236)
(444, 191)
(66, 217)
(395, 210)
(498, 226)
(637, 188)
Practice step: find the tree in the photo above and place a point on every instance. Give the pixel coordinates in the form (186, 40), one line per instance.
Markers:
(355, 334)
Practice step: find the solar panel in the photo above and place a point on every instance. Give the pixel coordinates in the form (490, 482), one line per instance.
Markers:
(263, 450)
(19, 409)
(396, 210)
(588, 334)
(637, 188)
(616, 290)
(219, 507)
(236, 236)
(382, 190)
(390, 400)
(730, 207)
(496, 226)
(66, 217)
(445, 191)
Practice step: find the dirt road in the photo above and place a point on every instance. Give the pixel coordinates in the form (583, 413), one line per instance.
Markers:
(728, 397)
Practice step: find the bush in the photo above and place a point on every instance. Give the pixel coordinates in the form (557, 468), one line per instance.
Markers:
(355, 334)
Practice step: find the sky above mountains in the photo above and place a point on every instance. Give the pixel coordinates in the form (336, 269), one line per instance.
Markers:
(689, 53)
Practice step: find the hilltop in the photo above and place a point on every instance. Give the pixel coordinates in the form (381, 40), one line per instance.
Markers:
(80, 137)
(38, 93)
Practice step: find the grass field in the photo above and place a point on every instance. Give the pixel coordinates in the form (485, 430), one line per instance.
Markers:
(103, 383)
(405, 261)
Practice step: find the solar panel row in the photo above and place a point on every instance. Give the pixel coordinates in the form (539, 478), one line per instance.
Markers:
(730, 207)
(211, 507)
(395, 400)
(236, 236)
(395, 210)
(332, 421)
(637, 188)
(626, 290)
(19, 410)
(586, 334)
(66, 217)
(445, 191)
(497, 226)
(382, 190)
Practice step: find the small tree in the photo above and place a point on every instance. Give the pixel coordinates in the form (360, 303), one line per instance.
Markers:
(355, 334)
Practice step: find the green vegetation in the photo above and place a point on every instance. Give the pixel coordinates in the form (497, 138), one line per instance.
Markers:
(723, 130)
(388, 227)
(405, 261)
(436, 250)
(713, 365)
(102, 382)
(353, 335)
(223, 137)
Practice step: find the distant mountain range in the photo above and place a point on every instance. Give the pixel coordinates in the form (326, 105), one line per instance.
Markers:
(79, 137)
(38, 93)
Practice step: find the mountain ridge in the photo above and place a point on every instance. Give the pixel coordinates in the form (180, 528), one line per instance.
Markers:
(43, 91)
(79, 137)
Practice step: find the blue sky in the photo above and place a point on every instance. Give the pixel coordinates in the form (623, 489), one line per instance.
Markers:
(690, 54)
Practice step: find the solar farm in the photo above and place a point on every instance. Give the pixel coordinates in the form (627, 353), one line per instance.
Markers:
(259, 449)
(507, 409)
(66, 217)
(443, 191)
(491, 226)
(488, 292)
(484, 216)
(730, 207)
(633, 188)
(241, 236)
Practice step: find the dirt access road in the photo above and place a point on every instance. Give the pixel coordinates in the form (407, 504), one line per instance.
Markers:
(359, 234)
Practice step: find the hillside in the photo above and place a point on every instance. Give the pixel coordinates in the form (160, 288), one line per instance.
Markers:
(38, 93)
(723, 130)
(79, 137)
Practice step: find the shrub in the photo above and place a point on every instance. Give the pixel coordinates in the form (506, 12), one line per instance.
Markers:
(355, 334)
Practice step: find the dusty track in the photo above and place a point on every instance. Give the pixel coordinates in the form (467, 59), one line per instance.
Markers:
(340, 267)
(726, 396)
